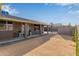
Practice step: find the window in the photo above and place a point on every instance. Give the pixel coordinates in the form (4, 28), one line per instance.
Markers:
(6, 26)
(9, 26)
(2, 26)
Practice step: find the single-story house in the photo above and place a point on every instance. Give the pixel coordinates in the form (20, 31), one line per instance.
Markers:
(12, 27)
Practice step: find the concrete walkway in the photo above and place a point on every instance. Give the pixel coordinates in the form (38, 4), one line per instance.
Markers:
(44, 45)
(59, 45)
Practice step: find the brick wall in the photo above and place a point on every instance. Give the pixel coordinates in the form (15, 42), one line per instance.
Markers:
(17, 27)
(6, 35)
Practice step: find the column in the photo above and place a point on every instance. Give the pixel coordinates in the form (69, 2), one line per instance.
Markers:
(43, 29)
(6, 25)
(23, 30)
(40, 29)
(26, 30)
(47, 29)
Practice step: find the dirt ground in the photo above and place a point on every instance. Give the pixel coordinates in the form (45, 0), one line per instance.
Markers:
(44, 45)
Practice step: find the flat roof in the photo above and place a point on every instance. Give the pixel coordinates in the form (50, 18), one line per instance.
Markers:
(19, 19)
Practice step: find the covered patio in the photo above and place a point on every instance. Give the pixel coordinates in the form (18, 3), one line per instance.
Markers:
(16, 27)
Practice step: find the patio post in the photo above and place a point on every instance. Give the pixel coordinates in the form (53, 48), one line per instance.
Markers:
(47, 29)
(26, 30)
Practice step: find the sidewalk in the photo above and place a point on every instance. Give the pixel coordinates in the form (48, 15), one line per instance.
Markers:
(56, 46)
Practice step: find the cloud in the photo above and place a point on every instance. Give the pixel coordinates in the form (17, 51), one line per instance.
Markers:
(74, 9)
(74, 12)
(9, 9)
(64, 4)
(59, 4)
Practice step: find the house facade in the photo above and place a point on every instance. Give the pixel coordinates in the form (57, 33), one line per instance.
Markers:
(13, 27)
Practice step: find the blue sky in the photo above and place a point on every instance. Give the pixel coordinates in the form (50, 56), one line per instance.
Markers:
(50, 13)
